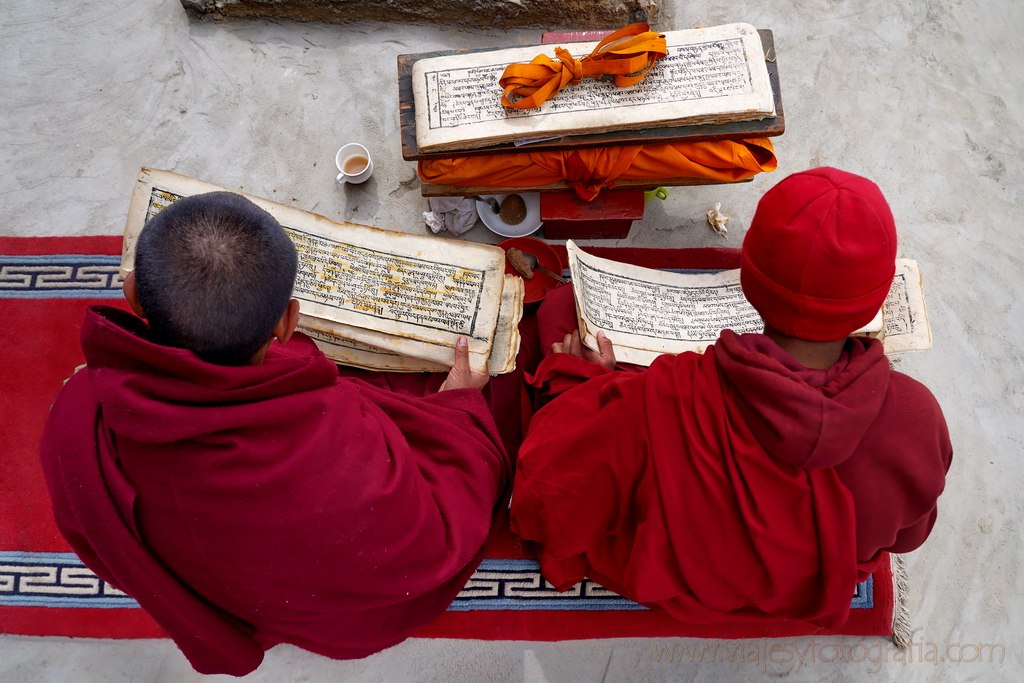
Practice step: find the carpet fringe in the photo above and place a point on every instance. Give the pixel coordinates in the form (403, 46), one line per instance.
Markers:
(902, 629)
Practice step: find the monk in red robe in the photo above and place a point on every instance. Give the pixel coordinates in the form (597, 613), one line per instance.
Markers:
(210, 462)
(764, 477)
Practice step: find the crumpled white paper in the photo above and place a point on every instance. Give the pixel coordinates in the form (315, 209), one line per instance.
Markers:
(717, 220)
(454, 214)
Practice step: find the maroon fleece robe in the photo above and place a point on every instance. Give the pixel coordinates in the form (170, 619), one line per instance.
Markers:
(735, 485)
(249, 506)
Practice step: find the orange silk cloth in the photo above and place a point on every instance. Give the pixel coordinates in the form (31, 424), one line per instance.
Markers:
(628, 54)
(588, 171)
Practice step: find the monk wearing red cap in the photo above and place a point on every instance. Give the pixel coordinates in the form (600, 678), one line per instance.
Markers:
(210, 461)
(764, 477)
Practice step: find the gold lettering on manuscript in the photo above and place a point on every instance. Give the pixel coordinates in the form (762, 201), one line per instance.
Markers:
(421, 292)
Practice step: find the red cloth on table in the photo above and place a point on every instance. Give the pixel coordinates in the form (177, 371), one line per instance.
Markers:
(249, 506)
(730, 486)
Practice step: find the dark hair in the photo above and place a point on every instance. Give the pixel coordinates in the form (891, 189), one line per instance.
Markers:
(214, 274)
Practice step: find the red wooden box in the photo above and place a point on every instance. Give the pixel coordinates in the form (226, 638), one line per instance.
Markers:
(609, 216)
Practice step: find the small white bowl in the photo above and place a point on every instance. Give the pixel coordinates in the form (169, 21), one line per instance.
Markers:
(530, 224)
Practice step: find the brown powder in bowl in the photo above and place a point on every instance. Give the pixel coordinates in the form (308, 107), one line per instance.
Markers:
(513, 210)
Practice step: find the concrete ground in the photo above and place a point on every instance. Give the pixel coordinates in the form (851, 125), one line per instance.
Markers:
(923, 97)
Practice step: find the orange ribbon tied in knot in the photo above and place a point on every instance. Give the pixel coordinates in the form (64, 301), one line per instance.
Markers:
(628, 54)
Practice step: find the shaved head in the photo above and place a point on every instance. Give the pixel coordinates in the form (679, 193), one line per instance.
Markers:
(214, 274)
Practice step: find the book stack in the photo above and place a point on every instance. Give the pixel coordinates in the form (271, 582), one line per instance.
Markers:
(719, 82)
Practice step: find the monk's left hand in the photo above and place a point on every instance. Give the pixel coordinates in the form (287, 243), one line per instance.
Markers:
(461, 376)
(574, 346)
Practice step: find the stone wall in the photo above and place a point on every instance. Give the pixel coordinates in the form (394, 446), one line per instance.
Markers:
(548, 14)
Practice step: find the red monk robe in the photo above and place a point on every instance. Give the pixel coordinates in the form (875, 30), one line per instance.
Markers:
(282, 503)
(735, 485)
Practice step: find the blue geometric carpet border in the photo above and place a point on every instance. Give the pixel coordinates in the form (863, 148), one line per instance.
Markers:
(31, 579)
(60, 276)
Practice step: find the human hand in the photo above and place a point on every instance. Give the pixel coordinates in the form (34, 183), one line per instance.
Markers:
(605, 357)
(461, 376)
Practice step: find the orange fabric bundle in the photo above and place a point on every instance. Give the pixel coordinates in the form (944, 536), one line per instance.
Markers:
(628, 54)
(588, 171)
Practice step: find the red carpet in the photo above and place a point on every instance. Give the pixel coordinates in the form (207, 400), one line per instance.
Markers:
(45, 286)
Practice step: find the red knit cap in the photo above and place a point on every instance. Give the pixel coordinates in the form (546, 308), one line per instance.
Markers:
(820, 254)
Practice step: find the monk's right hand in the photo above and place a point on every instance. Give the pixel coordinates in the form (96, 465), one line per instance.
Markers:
(461, 376)
(605, 356)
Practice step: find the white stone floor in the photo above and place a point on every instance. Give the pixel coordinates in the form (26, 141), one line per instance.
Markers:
(920, 96)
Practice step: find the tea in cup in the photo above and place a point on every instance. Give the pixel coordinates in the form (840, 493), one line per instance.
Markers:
(354, 162)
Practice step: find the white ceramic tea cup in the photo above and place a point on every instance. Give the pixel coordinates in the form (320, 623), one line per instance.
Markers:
(354, 162)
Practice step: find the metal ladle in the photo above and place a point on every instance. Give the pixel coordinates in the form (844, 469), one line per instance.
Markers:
(490, 201)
